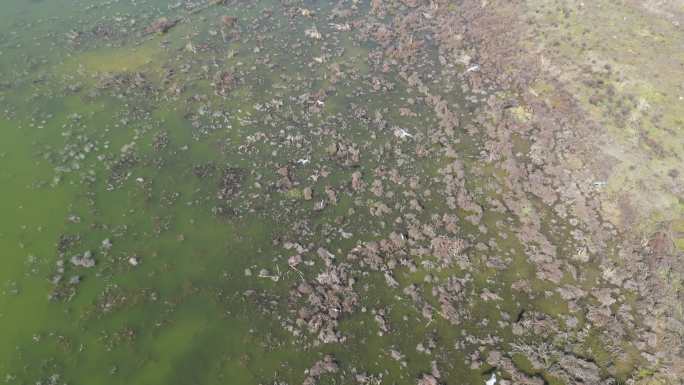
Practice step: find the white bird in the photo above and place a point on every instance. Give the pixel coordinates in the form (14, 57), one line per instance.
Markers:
(341, 27)
(401, 133)
(303, 161)
(473, 68)
(492, 380)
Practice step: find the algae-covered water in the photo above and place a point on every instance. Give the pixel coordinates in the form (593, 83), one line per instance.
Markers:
(228, 192)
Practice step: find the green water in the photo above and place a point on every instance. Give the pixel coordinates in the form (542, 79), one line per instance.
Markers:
(170, 302)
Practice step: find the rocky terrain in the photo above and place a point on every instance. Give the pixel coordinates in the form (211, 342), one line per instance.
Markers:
(384, 192)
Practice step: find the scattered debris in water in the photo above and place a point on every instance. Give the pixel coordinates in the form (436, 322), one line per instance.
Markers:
(399, 186)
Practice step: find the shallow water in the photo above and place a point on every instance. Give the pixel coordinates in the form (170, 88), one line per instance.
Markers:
(178, 299)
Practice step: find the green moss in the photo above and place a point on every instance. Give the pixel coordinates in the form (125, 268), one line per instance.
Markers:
(643, 373)
(521, 113)
(294, 193)
(551, 380)
(523, 364)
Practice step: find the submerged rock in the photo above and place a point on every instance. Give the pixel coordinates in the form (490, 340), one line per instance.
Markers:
(427, 379)
(161, 25)
(83, 260)
(228, 21)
